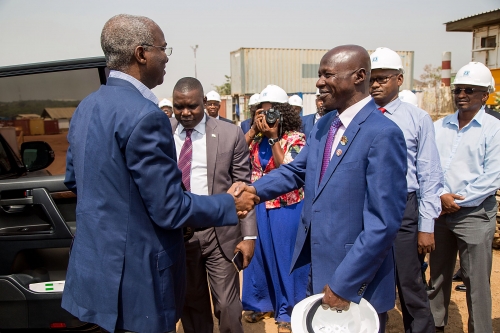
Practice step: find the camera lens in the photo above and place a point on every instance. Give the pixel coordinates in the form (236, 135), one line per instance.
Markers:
(272, 115)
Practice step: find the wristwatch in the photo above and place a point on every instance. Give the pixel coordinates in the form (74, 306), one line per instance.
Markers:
(273, 141)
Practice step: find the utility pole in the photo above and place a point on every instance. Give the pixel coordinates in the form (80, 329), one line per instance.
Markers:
(194, 50)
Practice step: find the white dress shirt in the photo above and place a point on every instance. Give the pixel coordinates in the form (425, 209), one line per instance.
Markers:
(199, 182)
(145, 91)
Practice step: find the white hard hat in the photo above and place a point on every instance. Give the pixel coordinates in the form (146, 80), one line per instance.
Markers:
(475, 74)
(317, 92)
(213, 96)
(408, 97)
(295, 100)
(309, 317)
(273, 94)
(164, 102)
(254, 99)
(384, 58)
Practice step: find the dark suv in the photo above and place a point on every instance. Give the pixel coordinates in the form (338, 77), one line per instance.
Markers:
(37, 212)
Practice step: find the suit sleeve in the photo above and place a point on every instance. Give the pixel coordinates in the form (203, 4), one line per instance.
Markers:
(241, 173)
(383, 209)
(69, 179)
(151, 159)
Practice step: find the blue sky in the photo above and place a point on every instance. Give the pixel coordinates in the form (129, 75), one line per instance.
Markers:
(46, 30)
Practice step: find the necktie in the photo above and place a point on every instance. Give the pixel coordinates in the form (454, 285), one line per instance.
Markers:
(382, 110)
(185, 158)
(336, 123)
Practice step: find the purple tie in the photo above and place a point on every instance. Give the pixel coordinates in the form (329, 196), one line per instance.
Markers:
(336, 123)
(185, 158)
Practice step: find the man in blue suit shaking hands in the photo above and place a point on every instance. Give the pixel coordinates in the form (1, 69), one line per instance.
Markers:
(127, 264)
(354, 171)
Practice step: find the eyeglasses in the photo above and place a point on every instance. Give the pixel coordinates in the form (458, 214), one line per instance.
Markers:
(381, 79)
(468, 91)
(167, 50)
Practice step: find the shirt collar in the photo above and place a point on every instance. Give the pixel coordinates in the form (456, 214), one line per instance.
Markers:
(200, 128)
(478, 118)
(392, 106)
(145, 91)
(348, 115)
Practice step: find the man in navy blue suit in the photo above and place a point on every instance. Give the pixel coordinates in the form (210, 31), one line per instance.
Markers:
(354, 171)
(127, 264)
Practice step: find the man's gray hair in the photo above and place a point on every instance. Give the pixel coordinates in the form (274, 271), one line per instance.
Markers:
(121, 35)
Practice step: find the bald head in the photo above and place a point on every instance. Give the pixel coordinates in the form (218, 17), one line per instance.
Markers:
(187, 84)
(344, 76)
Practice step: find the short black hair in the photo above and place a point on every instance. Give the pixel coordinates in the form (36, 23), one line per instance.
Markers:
(188, 84)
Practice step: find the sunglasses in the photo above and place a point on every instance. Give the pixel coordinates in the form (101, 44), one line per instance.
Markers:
(468, 91)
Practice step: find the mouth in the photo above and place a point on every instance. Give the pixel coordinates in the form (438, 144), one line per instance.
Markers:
(376, 92)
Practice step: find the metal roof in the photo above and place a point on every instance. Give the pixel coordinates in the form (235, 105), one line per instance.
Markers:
(59, 113)
(467, 24)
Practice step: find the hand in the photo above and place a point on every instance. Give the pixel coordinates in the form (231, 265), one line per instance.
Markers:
(448, 203)
(269, 132)
(243, 200)
(426, 242)
(333, 301)
(242, 187)
(246, 247)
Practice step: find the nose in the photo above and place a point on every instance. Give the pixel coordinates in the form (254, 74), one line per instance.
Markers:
(320, 83)
(185, 112)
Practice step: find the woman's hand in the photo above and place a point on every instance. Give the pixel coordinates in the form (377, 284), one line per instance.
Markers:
(269, 132)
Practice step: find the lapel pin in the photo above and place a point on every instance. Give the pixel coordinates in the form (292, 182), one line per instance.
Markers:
(338, 152)
(343, 140)
(214, 136)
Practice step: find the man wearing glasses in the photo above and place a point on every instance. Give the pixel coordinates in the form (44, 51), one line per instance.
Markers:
(424, 181)
(469, 146)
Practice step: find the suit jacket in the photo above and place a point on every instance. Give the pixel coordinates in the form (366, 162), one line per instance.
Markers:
(308, 123)
(245, 125)
(226, 120)
(351, 218)
(127, 264)
(227, 162)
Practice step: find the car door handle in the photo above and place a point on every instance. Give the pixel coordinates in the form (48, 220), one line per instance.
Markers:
(17, 201)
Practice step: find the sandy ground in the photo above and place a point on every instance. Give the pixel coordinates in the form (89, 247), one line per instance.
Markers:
(457, 322)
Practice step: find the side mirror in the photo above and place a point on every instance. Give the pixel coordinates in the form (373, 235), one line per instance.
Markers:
(36, 155)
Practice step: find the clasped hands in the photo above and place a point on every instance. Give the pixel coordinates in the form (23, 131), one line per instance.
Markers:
(245, 198)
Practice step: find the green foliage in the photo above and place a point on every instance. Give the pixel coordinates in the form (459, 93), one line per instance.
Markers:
(224, 89)
(11, 109)
(497, 101)
(431, 76)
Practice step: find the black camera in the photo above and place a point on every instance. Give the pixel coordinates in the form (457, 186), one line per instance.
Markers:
(272, 115)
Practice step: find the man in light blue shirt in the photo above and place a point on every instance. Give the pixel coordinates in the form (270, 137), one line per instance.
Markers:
(424, 180)
(469, 146)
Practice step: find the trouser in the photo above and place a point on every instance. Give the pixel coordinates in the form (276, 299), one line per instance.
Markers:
(469, 231)
(417, 316)
(204, 257)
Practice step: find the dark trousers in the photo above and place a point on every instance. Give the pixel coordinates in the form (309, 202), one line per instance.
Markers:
(204, 258)
(417, 316)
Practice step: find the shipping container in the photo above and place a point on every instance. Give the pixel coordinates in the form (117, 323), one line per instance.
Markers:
(295, 70)
(37, 127)
(24, 124)
(51, 126)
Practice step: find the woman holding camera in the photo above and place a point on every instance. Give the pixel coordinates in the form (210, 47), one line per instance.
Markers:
(275, 139)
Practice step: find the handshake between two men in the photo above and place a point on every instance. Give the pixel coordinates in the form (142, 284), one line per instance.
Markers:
(245, 198)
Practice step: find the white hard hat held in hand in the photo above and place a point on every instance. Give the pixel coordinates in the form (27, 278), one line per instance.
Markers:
(475, 74)
(213, 96)
(295, 100)
(254, 99)
(308, 316)
(273, 94)
(384, 58)
(408, 97)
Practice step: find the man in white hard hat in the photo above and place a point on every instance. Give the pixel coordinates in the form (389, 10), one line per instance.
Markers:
(212, 105)
(311, 119)
(409, 97)
(296, 102)
(166, 107)
(468, 142)
(252, 104)
(424, 176)
(354, 172)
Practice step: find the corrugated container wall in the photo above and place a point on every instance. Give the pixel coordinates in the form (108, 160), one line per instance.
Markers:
(295, 70)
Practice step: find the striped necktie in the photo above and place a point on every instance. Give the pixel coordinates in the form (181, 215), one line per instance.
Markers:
(336, 123)
(185, 158)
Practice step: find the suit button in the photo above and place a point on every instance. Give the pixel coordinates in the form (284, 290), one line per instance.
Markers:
(305, 229)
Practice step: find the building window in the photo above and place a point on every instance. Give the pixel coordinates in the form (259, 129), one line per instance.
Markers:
(490, 41)
(310, 71)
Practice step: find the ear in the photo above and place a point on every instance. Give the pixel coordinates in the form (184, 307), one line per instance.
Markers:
(140, 55)
(401, 79)
(485, 97)
(205, 100)
(360, 76)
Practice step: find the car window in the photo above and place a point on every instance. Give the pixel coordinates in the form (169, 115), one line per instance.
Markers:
(40, 107)
(5, 165)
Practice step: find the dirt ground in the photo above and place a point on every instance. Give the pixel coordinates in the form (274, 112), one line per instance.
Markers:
(457, 322)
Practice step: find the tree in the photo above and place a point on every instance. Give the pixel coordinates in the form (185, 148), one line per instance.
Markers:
(224, 89)
(431, 76)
